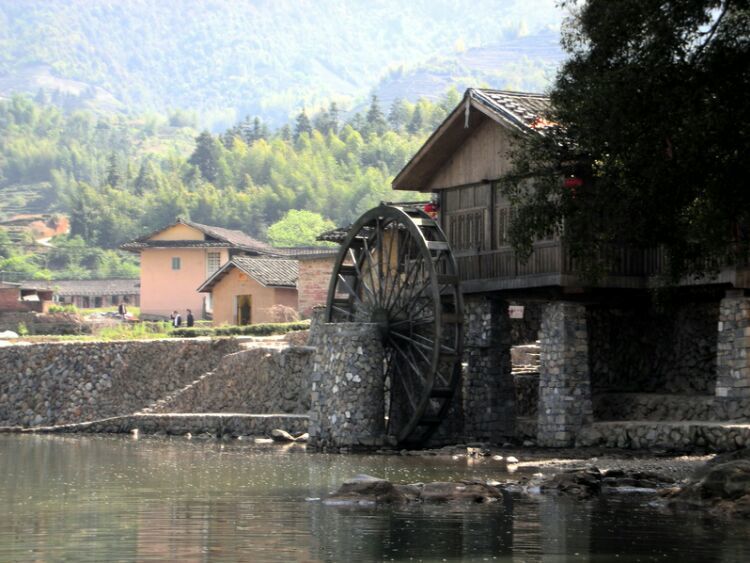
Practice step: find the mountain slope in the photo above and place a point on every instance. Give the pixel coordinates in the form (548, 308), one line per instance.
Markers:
(231, 58)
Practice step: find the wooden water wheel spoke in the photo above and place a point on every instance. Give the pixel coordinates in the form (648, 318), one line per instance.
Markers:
(349, 289)
(396, 271)
(358, 271)
(399, 381)
(410, 360)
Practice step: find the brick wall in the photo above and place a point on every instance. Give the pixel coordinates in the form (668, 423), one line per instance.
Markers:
(312, 287)
(9, 299)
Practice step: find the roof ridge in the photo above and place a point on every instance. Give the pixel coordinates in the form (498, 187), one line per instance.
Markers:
(512, 93)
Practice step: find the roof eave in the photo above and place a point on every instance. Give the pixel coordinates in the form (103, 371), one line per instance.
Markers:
(472, 99)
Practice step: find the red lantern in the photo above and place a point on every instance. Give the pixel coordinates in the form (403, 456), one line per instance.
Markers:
(573, 182)
(431, 209)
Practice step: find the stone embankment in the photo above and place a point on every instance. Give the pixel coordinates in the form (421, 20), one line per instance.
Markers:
(63, 383)
(256, 380)
(218, 425)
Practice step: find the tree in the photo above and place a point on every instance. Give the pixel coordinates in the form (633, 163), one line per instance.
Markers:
(114, 177)
(417, 121)
(206, 156)
(299, 228)
(398, 115)
(327, 121)
(302, 124)
(653, 120)
(376, 122)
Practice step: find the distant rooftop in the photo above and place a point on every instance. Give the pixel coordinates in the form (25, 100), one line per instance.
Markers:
(271, 272)
(119, 286)
(217, 237)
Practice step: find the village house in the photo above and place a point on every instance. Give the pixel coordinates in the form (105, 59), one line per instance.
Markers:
(86, 294)
(248, 290)
(177, 259)
(22, 297)
(226, 275)
(609, 358)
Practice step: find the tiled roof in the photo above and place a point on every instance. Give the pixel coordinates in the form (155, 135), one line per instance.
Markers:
(222, 238)
(336, 235)
(307, 252)
(88, 287)
(136, 244)
(520, 108)
(232, 236)
(520, 111)
(271, 272)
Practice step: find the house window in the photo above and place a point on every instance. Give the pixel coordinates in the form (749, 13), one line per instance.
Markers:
(213, 261)
(175, 263)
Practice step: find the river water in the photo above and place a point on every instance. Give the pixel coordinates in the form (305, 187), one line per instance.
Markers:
(92, 498)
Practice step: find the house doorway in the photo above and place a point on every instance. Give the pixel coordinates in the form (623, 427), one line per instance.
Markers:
(244, 309)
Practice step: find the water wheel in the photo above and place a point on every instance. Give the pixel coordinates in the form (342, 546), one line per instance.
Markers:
(395, 268)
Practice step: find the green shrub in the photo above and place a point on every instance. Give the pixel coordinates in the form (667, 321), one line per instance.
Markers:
(22, 329)
(63, 309)
(263, 329)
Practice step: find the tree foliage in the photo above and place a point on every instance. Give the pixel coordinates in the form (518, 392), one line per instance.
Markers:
(118, 178)
(653, 115)
(299, 228)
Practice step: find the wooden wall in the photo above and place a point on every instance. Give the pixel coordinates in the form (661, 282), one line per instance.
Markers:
(483, 156)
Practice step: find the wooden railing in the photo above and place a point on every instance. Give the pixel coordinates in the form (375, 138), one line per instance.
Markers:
(551, 257)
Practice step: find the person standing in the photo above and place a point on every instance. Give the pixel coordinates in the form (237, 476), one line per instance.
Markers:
(176, 319)
(190, 319)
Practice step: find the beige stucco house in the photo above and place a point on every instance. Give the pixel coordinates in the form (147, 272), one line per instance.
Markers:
(176, 260)
(248, 290)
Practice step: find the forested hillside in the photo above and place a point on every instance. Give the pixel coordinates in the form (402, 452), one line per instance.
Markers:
(228, 59)
(118, 178)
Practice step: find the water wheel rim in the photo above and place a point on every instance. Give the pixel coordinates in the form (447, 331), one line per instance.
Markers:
(422, 367)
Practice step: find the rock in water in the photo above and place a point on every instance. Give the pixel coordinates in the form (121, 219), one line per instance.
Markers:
(722, 488)
(465, 491)
(281, 435)
(366, 490)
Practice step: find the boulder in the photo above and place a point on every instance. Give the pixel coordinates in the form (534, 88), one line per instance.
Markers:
(464, 491)
(722, 488)
(579, 482)
(366, 490)
(279, 435)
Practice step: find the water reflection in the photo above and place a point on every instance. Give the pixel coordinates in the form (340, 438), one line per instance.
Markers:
(117, 499)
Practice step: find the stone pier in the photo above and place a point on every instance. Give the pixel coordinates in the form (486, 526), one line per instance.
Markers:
(488, 390)
(564, 383)
(347, 403)
(733, 354)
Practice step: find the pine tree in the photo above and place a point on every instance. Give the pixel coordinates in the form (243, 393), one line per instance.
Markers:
(417, 121)
(398, 115)
(333, 118)
(206, 156)
(376, 122)
(302, 125)
(113, 173)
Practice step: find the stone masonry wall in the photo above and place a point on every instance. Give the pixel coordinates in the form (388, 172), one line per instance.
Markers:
(58, 383)
(487, 389)
(641, 350)
(347, 396)
(258, 381)
(733, 357)
(564, 386)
